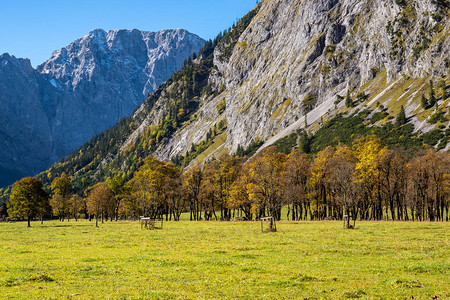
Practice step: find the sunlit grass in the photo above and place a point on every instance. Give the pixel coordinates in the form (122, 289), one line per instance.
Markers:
(225, 260)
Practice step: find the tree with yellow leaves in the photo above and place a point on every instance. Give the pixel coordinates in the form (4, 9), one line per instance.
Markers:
(239, 194)
(60, 200)
(153, 188)
(266, 187)
(318, 183)
(368, 151)
(229, 168)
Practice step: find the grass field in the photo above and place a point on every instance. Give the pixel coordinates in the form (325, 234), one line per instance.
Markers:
(217, 260)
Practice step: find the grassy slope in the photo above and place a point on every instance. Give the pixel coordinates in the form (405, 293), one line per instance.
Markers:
(225, 260)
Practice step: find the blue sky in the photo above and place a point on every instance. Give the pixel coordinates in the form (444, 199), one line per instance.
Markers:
(34, 29)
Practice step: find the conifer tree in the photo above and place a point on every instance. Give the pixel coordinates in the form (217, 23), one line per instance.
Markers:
(443, 86)
(304, 142)
(424, 102)
(432, 97)
(401, 118)
(348, 100)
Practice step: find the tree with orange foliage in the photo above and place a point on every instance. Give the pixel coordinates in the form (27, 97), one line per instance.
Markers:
(429, 178)
(266, 187)
(318, 183)
(297, 170)
(210, 190)
(393, 180)
(192, 181)
(99, 197)
(77, 205)
(239, 194)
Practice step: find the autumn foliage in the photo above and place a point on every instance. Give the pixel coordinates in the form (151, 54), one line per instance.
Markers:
(366, 181)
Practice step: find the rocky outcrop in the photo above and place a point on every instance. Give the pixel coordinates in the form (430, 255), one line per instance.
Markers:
(25, 133)
(81, 90)
(314, 49)
(286, 64)
(295, 57)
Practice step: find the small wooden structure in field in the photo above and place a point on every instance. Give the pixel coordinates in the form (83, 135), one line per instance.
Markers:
(150, 223)
(347, 222)
(272, 226)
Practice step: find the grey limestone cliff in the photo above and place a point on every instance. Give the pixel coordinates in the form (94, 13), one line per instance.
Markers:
(81, 90)
(297, 50)
(296, 57)
(25, 134)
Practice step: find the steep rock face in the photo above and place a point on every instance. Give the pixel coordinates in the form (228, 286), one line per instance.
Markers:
(295, 57)
(285, 65)
(104, 76)
(81, 90)
(25, 131)
(297, 50)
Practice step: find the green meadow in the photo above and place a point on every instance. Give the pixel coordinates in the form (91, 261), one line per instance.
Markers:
(224, 260)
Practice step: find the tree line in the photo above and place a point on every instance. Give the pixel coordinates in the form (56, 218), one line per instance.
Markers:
(366, 181)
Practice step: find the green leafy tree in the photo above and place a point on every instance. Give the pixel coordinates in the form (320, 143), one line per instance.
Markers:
(304, 142)
(28, 199)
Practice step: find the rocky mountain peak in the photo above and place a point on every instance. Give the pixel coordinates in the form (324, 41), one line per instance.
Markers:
(82, 89)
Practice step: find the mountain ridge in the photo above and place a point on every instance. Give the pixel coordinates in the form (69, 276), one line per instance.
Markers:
(82, 89)
(285, 66)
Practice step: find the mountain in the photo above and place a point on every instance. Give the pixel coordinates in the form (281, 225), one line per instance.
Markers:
(336, 67)
(80, 91)
(296, 60)
(24, 128)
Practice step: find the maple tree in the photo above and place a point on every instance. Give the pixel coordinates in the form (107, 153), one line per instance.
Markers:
(367, 152)
(296, 172)
(28, 199)
(61, 195)
(318, 183)
(192, 181)
(98, 200)
(266, 185)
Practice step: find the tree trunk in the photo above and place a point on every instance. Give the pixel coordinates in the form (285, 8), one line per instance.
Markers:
(29, 219)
